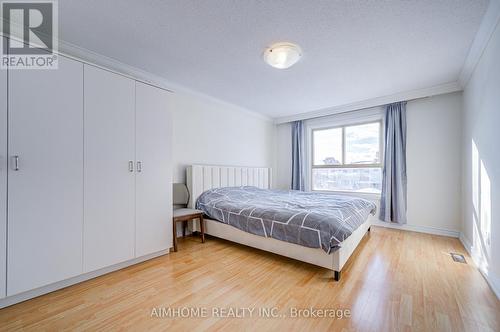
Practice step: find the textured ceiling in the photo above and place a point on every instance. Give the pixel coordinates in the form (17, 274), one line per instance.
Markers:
(353, 50)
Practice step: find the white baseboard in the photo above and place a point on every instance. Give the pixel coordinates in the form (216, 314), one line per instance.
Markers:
(10, 300)
(419, 229)
(491, 279)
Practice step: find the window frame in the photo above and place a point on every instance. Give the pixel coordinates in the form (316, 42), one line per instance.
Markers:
(334, 124)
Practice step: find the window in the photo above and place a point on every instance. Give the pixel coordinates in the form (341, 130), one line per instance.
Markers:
(347, 158)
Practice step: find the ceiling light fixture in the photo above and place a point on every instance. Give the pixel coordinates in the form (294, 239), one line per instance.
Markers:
(282, 55)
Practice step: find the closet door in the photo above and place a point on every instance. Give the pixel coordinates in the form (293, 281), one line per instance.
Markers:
(45, 191)
(3, 179)
(154, 172)
(109, 226)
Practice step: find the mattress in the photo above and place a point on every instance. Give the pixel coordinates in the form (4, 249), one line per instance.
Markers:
(315, 220)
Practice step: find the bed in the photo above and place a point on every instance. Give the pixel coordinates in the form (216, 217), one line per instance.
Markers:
(321, 229)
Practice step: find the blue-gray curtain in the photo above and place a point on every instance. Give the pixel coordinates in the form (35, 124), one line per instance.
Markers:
(298, 155)
(393, 200)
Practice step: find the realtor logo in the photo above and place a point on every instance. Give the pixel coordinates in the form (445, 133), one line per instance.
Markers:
(31, 31)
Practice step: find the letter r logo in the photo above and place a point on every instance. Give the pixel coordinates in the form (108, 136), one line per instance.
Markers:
(32, 23)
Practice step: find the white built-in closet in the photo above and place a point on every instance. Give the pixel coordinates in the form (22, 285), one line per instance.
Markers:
(3, 181)
(85, 173)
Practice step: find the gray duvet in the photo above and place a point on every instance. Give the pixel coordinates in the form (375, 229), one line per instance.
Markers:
(309, 219)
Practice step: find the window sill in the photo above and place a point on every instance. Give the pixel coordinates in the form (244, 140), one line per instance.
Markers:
(369, 196)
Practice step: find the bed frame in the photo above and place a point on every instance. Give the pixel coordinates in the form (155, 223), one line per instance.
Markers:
(204, 177)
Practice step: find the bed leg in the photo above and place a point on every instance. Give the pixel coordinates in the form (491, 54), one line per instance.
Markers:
(336, 275)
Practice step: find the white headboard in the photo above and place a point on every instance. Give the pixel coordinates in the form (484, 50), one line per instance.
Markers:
(204, 177)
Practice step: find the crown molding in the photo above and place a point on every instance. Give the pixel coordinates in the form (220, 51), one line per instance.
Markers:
(488, 25)
(108, 63)
(89, 57)
(374, 102)
(77, 53)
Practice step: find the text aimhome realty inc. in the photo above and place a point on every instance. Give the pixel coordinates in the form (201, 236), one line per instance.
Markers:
(248, 312)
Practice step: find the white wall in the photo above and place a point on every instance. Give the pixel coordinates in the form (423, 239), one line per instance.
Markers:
(283, 177)
(433, 160)
(206, 131)
(481, 168)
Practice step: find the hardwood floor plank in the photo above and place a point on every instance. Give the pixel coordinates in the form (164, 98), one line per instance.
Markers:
(395, 281)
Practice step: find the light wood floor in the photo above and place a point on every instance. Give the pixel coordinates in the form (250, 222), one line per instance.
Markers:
(396, 281)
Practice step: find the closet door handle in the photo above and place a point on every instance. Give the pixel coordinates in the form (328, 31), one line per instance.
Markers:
(139, 166)
(130, 165)
(15, 163)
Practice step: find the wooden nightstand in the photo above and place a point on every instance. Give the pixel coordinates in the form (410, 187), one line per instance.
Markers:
(185, 215)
